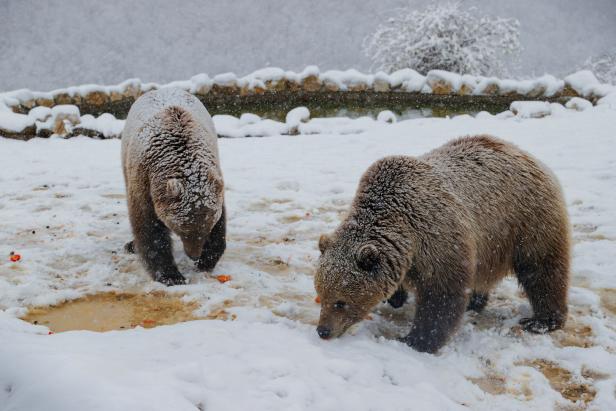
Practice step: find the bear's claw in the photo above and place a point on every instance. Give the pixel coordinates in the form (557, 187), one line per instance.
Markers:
(170, 280)
(540, 325)
(419, 343)
(130, 247)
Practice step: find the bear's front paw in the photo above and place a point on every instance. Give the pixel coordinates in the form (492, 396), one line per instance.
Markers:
(421, 343)
(541, 325)
(206, 264)
(171, 279)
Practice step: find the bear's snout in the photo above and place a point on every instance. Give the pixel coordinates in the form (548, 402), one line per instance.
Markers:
(324, 332)
(193, 249)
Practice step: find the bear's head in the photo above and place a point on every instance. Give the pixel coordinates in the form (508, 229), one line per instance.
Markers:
(353, 275)
(190, 206)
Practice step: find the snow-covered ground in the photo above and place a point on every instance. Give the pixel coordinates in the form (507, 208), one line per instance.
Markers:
(62, 207)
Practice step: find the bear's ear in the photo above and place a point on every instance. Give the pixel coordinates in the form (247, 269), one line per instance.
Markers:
(175, 187)
(324, 242)
(367, 257)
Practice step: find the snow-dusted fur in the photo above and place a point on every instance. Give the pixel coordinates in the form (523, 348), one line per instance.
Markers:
(449, 224)
(443, 37)
(173, 181)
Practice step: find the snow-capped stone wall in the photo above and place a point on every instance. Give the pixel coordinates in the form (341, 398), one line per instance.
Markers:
(23, 114)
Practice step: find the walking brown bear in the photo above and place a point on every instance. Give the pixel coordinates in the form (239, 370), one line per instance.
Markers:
(173, 182)
(449, 224)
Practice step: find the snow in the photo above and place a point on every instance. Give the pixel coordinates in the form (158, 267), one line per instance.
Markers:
(410, 80)
(248, 118)
(346, 79)
(65, 109)
(106, 124)
(446, 77)
(579, 104)
(528, 109)
(546, 85)
(225, 79)
(551, 84)
(306, 72)
(386, 116)
(248, 125)
(40, 113)
(10, 121)
(295, 117)
(200, 83)
(581, 81)
(608, 101)
(282, 193)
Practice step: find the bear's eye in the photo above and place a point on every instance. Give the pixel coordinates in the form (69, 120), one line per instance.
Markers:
(339, 304)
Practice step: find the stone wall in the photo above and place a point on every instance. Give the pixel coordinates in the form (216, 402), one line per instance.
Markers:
(274, 88)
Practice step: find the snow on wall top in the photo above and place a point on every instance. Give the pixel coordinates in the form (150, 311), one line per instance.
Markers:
(583, 82)
(311, 79)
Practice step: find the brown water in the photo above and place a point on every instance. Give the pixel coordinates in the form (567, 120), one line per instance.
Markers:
(563, 381)
(114, 311)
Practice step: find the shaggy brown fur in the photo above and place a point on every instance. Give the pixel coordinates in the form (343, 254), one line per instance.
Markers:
(458, 218)
(173, 182)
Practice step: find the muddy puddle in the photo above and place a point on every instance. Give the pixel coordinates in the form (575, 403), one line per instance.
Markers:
(608, 299)
(120, 311)
(561, 380)
(491, 383)
(578, 389)
(114, 311)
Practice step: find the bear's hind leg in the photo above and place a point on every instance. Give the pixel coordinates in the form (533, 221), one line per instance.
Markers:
(215, 245)
(477, 302)
(545, 281)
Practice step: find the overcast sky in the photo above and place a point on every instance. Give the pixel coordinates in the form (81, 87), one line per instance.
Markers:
(57, 43)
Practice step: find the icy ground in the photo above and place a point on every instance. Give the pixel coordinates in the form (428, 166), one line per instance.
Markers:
(62, 207)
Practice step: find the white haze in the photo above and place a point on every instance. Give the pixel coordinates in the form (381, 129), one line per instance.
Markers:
(51, 44)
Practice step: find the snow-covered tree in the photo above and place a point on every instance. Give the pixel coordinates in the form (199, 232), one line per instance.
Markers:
(444, 37)
(604, 66)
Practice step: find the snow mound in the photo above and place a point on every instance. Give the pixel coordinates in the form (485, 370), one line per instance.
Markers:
(105, 124)
(386, 116)
(14, 122)
(531, 109)
(295, 117)
(579, 104)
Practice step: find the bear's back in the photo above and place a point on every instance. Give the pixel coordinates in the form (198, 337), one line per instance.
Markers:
(490, 175)
(509, 196)
(148, 108)
(156, 111)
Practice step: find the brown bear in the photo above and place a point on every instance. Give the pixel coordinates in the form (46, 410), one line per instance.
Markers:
(449, 225)
(173, 182)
